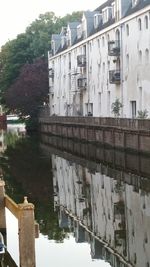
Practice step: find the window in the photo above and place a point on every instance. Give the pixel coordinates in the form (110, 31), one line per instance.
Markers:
(103, 41)
(140, 57)
(133, 109)
(127, 61)
(140, 98)
(146, 22)
(98, 43)
(108, 38)
(69, 59)
(99, 102)
(113, 10)
(117, 35)
(90, 109)
(103, 67)
(90, 46)
(86, 108)
(134, 2)
(108, 103)
(139, 24)
(147, 56)
(127, 30)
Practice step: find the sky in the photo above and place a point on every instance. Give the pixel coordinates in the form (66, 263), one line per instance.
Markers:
(16, 15)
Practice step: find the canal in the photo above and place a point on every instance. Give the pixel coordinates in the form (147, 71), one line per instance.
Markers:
(92, 203)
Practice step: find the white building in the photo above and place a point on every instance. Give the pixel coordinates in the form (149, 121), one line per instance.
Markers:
(103, 58)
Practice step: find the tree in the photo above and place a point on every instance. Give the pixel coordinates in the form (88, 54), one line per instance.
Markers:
(14, 54)
(116, 107)
(28, 46)
(30, 89)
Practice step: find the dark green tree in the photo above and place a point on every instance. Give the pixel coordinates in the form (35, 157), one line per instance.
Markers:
(28, 46)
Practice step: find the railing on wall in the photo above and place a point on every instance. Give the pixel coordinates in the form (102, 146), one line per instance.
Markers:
(133, 124)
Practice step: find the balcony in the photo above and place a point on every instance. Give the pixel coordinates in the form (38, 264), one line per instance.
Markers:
(51, 73)
(81, 61)
(114, 48)
(82, 84)
(114, 76)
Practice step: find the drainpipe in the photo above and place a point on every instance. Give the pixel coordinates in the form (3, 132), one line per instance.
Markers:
(88, 69)
(121, 69)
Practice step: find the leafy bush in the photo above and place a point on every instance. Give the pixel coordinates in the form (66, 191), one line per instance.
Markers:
(116, 107)
(142, 114)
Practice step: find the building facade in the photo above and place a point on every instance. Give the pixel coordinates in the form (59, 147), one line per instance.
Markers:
(103, 58)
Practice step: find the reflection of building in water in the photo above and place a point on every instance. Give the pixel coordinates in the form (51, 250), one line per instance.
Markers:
(115, 212)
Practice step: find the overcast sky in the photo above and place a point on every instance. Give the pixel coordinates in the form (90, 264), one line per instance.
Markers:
(16, 15)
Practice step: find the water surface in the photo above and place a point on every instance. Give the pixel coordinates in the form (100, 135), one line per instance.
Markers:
(92, 204)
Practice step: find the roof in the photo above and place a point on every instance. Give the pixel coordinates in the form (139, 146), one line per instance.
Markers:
(106, 4)
(56, 37)
(141, 4)
(73, 25)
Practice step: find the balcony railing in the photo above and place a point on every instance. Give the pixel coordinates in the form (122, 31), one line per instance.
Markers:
(114, 76)
(81, 61)
(82, 83)
(114, 48)
(51, 73)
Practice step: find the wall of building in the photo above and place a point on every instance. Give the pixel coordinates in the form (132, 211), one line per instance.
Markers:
(98, 94)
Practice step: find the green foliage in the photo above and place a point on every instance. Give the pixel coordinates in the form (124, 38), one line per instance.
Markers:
(142, 114)
(116, 107)
(28, 46)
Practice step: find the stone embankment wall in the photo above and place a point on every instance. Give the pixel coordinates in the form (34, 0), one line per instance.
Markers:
(130, 134)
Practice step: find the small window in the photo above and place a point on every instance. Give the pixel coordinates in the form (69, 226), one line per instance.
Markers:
(127, 60)
(139, 24)
(146, 22)
(98, 43)
(103, 41)
(147, 56)
(140, 57)
(133, 109)
(127, 29)
(90, 46)
(103, 67)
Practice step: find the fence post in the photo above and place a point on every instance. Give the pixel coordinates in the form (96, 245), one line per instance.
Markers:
(2, 207)
(26, 234)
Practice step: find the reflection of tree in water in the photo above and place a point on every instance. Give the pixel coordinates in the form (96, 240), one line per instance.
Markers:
(27, 172)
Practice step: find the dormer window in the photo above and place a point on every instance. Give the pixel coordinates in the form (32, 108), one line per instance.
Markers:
(97, 20)
(113, 9)
(79, 31)
(106, 14)
(134, 2)
(53, 47)
(63, 41)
